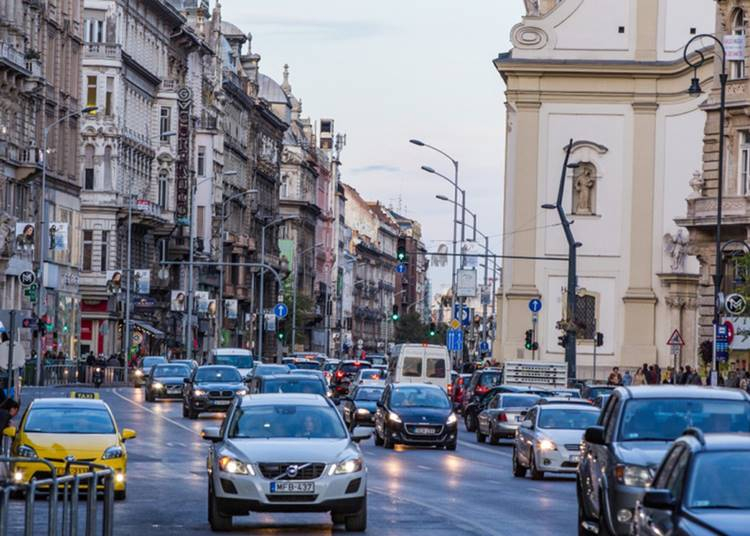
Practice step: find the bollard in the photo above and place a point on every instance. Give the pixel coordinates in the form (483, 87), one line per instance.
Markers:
(109, 500)
(28, 525)
(91, 507)
(74, 507)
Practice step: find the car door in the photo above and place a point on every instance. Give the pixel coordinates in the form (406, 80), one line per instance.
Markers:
(594, 461)
(380, 413)
(667, 477)
(526, 435)
(483, 417)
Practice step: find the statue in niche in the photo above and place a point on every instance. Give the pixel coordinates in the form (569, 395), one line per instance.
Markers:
(584, 185)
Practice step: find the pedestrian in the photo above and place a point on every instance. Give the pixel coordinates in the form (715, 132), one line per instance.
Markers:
(615, 378)
(744, 382)
(8, 410)
(733, 378)
(627, 379)
(639, 378)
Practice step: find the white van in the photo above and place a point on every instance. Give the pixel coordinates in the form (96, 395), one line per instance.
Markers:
(235, 357)
(420, 363)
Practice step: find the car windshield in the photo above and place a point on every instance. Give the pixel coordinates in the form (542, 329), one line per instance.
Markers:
(239, 361)
(490, 379)
(294, 384)
(664, 419)
(370, 374)
(218, 374)
(285, 421)
(368, 394)
(173, 371)
(567, 419)
(710, 487)
(149, 362)
(307, 365)
(518, 401)
(350, 368)
(593, 392)
(419, 397)
(69, 420)
(330, 367)
(264, 370)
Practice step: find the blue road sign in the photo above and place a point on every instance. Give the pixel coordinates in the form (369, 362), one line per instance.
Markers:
(455, 340)
(484, 347)
(722, 343)
(280, 310)
(535, 305)
(401, 268)
(462, 313)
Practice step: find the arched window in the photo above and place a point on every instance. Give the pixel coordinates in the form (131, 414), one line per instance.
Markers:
(107, 168)
(737, 67)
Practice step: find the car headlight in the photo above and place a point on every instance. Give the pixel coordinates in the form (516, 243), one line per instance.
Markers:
(546, 444)
(139, 372)
(25, 451)
(199, 392)
(451, 419)
(633, 475)
(157, 385)
(394, 417)
(115, 451)
(235, 467)
(363, 411)
(346, 467)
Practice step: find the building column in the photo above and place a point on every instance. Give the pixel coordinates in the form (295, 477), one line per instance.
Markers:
(638, 344)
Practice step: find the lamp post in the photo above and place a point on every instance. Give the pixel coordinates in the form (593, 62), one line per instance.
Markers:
(695, 89)
(294, 291)
(261, 318)
(43, 237)
(128, 270)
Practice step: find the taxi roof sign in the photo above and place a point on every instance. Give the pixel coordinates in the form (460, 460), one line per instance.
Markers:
(84, 394)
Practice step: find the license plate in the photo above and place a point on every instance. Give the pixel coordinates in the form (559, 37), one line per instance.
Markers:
(292, 487)
(77, 469)
(222, 402)
(424, 431)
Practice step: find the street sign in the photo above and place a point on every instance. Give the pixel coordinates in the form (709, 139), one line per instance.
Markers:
(463, 313)
(270, 322)
(735, 304)
(455, 340)
(722, 343)
(455, 324)
(466, 283)
(730, 331)
(30, 292)
(675, 339)
(280, 310)
(400, 268)
(27, 278)
(535, 305)
(484, 347)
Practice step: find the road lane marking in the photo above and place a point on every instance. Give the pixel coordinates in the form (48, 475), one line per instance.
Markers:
(489, 450)
(126, 399)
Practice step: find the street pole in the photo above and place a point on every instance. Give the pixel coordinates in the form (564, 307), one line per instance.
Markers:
(294, 291)
(695, 89)
(484, 287)
(595, 345)
(191, 261)
(128, 283)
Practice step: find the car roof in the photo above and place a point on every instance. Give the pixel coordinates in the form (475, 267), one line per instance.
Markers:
(716, 442)
(284, 398)
(291, 377)
(349, 361)
(567, 405)
(682, 391)
(549, 400)
(68, 402)
(231, 351)
(490, 369)
(209, 367)
(405, 385)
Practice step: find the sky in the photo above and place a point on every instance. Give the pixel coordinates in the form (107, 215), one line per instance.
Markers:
(390, 71)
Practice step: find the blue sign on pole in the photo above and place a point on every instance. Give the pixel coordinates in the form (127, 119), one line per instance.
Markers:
(401, 268)
(455, 340)
(535, 305)
(462, 313)
(484, 347)
(722, 343)
(280, 310)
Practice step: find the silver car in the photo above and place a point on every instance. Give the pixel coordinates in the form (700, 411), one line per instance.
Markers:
(285, 453)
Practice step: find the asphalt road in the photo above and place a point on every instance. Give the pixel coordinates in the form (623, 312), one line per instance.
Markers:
(411, 491)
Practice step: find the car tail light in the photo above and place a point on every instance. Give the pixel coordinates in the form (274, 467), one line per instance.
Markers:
(502, 417)
(450, 389)
(339, 374)
(480, 389)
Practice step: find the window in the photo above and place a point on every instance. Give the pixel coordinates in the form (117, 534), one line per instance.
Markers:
(412, 367)
(88, 168)
(737, 67)
(88, 245)
(435, 367)
(585, 315)
(165, 122)
(200, 217)
(93, 31)
(744, 167)
(109, 95)
(202, 161)
(163, 190)
(103, 251)
(91, 91)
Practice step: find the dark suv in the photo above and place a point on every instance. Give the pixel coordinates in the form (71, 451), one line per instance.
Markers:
(211, 388)
(480, 384)
(345, 373)
(636, 428)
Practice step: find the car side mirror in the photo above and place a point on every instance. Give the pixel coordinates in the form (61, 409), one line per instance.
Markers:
(361, 434)
(9, 431)
(594, 435)
(659, 499)
(527, 424)
(128, 434)
(212, 434)
(379, 404)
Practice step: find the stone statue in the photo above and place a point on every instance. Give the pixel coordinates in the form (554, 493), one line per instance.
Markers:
(584, 186)
(676, 246)
(532, 7)
(696, 183)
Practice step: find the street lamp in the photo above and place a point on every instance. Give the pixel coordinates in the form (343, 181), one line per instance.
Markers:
(277, 221)
(43, 243)
(294, 291)
(695, 89)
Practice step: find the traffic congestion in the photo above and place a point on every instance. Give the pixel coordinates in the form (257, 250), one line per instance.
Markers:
(310, 437)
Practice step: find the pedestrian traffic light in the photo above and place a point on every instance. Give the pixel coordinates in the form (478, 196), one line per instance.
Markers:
(401, 253)
(562, 340)
(280, 332)
(433, 329)
(599, 338)
(529, 344)
(394, 313)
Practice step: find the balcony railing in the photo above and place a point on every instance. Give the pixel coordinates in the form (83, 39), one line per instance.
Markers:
(110, 51)
(13, 55)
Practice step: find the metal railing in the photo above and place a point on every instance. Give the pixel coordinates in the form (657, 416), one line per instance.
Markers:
(63, 504)
(71, 373)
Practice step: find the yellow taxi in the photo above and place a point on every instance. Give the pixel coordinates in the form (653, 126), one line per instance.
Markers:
(61, 430)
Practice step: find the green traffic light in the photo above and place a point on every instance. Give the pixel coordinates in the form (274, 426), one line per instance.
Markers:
(394, 317)
(528, 345)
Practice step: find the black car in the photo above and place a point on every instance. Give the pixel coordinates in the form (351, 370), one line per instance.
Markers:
(291, 383)
(166, 380)
(415, 414)
(211, 388)
(620, 455)
(472, 410)
(345, 373)
(263, 370)
(591, 391)
(359, 409)
(699, 488)
(480, 384)
(192, 363)
(140, 374)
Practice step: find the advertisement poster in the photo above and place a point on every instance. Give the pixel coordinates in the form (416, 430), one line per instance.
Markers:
(201, 296)
(230, 309)
(179, 301)
(114, 281)
(58, 236)
(25, 237)
(142, 281)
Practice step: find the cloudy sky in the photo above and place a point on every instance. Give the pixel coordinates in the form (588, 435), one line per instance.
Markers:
(393, 70)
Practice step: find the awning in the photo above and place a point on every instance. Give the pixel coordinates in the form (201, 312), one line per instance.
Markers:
(151, 330)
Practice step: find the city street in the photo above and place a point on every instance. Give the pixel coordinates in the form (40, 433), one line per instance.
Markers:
(411, 491)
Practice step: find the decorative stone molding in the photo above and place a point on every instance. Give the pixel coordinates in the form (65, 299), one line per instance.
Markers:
(697, 183)
(587, 144)
(529, 37)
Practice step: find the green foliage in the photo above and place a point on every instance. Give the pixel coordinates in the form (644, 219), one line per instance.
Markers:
(410, 328)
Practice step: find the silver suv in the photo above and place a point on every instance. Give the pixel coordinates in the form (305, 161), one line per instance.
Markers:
(285, 453)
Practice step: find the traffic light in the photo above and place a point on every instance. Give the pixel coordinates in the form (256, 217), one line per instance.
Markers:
(562, 340)
(433, 329)
(529, 343)
(280, 332)
(394, 313)
(599, 338)
(401, 253)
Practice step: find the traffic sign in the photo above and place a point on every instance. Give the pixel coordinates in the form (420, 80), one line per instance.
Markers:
(463, 313)
(735, 304)
(281, 310)
(400, 268)
(535, 305)
(676, 339)
(722, 343)
(455, 340)
(27, 278)
(484, 347)
(455, 324)
(730, 331)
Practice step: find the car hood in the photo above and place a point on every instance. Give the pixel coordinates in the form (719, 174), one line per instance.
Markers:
(170, 380)
(82, 446)
(286, 450)
(245, 372)
(219, 386)
(423, 415)
(563, 437)
(734, 522)
(643, 453)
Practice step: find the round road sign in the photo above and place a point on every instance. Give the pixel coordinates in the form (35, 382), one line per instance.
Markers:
(27, 278)
(280, 310)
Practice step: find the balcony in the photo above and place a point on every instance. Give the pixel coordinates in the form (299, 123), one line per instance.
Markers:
(13, 58)
(701, 211)
(105, 51)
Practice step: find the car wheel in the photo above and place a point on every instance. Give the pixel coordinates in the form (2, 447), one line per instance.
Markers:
(192, 414)
(121, 495)
(358, 522)
(451, 445)
(536, 474)
(519, 471)
(480, 436)
(149, 397)
(184, 410)
(218, 521)
(470, 422)
(603, 528)
(378, 439)
(387, 440)
(338, 519)
(494, 438)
